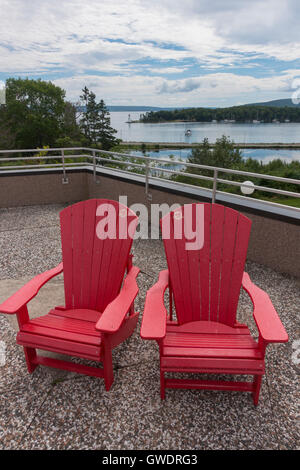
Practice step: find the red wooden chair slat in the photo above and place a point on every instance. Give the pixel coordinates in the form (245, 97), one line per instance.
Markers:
(102, 291)
(36, 329)
(204, 265)
(173, 262)
(77, 314)
(208, 341)
(240, 253)
(89, 228)
(120, 250)
(183, 267)
(78, 222)
(67, 253)
(213, 365)
(56, 344)
(94, 267)
(216, 239)
(194, 277)
(229, 230)
(235, 353)
(208, 328)
(70, 325)
(206, 283)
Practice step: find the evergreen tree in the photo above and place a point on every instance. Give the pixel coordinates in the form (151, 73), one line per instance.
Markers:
(95, 121)
(106, 132)
(224, 154)
(201, 155)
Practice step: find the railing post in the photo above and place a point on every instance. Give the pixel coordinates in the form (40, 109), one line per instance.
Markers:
(214, 191)
(148, 196)
(65, 179)
(94, 165)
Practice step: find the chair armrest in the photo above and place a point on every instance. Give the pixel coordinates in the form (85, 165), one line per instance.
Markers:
(266, 318)
(115, 312)
(14, 303)
(154, 320)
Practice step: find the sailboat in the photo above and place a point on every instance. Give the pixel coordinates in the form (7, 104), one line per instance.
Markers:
(229, 121)
(256, 121)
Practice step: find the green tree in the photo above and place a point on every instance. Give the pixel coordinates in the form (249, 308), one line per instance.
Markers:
(33, 114)
(70, 129)
(95, 121)
(7, 139)
(201, 155)
(106, 132)
(224, 154)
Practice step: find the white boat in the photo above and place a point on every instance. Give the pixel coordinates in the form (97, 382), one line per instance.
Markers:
(256, 121)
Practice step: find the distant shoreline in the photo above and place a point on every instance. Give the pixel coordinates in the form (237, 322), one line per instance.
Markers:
(183, 121)
(240, 145)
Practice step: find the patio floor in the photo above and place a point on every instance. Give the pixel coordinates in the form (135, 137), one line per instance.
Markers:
(52, 409)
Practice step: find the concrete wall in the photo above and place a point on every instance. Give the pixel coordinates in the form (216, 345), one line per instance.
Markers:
(44, 188)
(274, 243)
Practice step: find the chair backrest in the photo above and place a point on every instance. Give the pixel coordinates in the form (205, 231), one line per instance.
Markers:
(94, 266)
(206, 281)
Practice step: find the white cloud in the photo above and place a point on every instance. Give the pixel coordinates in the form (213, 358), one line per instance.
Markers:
(123, 39)
(70, 33)
(167, 70)
(215, 89)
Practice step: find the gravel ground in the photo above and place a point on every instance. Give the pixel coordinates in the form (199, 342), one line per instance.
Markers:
(51, 409)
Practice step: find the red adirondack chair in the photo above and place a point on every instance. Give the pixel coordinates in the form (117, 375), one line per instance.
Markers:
(98, 314)
(205, 285)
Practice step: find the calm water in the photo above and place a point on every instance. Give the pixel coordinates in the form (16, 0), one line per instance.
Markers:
(260, 154)
(175, 132)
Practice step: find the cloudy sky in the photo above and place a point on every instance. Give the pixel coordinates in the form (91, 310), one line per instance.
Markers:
(156, 52)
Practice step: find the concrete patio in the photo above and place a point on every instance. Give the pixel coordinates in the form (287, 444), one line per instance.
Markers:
(52, 409)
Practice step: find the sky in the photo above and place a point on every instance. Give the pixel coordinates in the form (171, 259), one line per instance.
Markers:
(156, 52)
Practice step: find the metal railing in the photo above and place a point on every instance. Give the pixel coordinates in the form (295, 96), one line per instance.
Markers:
(99, 159)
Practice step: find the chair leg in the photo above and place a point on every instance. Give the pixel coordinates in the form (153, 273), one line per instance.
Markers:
(30, 356)
(162, 385)
(108, 368)
(256, 388)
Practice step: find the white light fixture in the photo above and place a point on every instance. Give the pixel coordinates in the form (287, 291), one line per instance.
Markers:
(247, 187)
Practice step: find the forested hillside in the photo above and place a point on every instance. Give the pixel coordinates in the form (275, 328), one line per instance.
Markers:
(241, 114)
